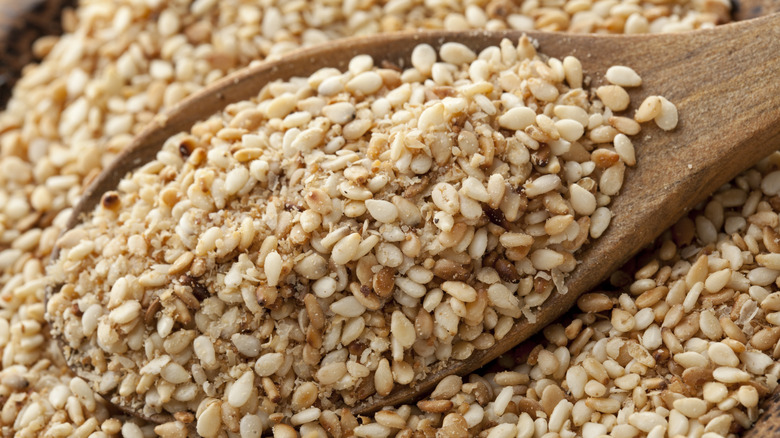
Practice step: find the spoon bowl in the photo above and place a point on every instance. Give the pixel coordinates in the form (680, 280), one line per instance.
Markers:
(723, 81)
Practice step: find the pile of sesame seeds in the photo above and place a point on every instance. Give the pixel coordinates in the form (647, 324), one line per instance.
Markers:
(373, 223)
(123, 61)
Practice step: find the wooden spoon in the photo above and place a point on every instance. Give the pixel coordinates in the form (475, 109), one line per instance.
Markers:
(747, 9)
(724, 82)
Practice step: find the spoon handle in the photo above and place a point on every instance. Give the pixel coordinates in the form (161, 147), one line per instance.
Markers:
(747, 9)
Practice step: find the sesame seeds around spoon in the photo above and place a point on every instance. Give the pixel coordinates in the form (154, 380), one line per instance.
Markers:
(676, 94)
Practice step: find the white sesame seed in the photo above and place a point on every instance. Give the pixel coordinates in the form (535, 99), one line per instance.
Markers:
(517, 118)
(460, 290)
(730, 375)
(542, 185)
(268, 364)
(423, 58)
(348, 307)
(667, 118)
(456, 53)
(623, 76)
(365, 83)
(583, 201)
(241, 390)
(273, 268)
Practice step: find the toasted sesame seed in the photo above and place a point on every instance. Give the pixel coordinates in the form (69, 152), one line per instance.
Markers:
(614, 97)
